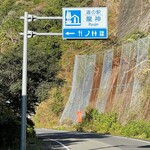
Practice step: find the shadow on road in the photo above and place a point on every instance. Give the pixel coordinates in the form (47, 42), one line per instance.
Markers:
(50, 140)
(67, 138)
(107, 147)
(66, 135)
(146, 146)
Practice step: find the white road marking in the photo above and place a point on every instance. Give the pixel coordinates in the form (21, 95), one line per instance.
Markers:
(58, 143)
(121, 137)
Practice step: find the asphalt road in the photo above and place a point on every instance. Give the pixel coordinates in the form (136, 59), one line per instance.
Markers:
(63, 140)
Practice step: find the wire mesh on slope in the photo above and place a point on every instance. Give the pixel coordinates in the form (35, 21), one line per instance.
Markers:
(119, 87)
(96, 80)
(81, 87)
(105, 81)
(143, 45)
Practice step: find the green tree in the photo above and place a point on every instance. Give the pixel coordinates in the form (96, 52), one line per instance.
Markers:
(43, 58)
(43, 67)
(42, 74)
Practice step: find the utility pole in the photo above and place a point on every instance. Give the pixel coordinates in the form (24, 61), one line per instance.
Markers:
(29, 34)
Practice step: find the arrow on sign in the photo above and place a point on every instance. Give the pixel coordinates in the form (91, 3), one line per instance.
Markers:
(69, 33)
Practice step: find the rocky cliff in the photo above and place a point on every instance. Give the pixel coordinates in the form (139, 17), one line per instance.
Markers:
(134, 15)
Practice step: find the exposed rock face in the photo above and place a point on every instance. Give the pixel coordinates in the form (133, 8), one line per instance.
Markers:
(134, 15)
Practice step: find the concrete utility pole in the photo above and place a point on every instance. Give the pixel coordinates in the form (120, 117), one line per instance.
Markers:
(28, 34)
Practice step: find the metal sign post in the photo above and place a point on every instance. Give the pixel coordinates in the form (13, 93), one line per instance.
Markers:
(28, 34)
(24, 83)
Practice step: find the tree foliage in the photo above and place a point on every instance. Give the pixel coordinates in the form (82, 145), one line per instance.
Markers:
(9, 126)
(44, 54)
(43, 64)
(42, 71)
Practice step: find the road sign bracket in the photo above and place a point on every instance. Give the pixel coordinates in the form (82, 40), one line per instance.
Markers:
(32, 34)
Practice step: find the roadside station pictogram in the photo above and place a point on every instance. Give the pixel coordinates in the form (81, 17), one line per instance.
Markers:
(72, 17)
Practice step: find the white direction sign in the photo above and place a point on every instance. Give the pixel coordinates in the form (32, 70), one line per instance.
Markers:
(85, 23)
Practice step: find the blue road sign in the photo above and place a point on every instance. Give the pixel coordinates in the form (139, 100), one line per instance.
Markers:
(85, 33)
(85, 23)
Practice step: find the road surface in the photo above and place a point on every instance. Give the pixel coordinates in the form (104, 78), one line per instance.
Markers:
(63, 140)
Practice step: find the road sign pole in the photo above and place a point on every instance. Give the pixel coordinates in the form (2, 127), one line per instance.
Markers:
(24, 84)
(29, 34)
